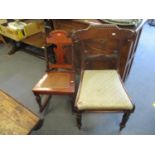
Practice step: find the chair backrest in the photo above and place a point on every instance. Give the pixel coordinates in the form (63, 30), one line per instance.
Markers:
(100, 45)
(60, 50)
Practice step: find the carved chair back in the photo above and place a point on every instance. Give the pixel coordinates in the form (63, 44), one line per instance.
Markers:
(60, 51)
(100, 45)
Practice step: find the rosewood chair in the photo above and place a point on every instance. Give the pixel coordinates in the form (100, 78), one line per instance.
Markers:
(16, 119)
(59, 78)
(101, 88)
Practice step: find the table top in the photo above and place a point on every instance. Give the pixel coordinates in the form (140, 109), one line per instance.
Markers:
(38, 40)
(15, 119)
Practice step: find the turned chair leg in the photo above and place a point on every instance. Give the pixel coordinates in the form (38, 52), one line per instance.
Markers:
(79, 119)
(42, 106)
(38, 99)
(125, 118)
(72, 103)
(45, 103)
(39, 124)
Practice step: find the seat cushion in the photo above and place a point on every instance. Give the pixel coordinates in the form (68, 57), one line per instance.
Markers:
(102, 90)
(15, 119)
(56, 82)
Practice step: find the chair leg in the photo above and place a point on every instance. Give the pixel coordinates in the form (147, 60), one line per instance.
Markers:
(72, 103)
(45, 103)
(39, 125)
(42, 106)
(125, 118)
(79, 119)
(38, 99)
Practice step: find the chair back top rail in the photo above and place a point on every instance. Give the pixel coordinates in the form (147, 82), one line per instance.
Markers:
(101, 43)
(103, 30)
(60, 50)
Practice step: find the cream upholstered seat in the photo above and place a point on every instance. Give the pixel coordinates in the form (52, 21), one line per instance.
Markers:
(102, 90)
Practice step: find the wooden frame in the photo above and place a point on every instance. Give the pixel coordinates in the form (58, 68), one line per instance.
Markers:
(101, 32)
(127, 53)
(60, 42)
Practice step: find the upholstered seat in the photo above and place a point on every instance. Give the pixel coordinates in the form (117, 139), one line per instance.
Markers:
(56, 82)
(102, 90)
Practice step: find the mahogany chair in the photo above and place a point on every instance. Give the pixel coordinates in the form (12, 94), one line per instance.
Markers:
(59, 78)
(100, 88)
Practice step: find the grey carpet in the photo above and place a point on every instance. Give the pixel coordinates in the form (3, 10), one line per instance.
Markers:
(20, 72)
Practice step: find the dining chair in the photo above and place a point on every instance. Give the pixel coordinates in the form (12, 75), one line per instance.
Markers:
(100, 87)
(59, 76)
(15, 118)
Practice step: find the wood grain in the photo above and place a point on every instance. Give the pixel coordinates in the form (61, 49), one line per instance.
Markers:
(129, 48)
(56, 83)
(37, 40)
(60, 76)
(15, 119)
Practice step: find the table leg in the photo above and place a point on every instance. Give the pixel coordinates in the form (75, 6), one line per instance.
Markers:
(14, 48)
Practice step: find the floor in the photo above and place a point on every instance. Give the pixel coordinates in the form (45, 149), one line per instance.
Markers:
(20, 72)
